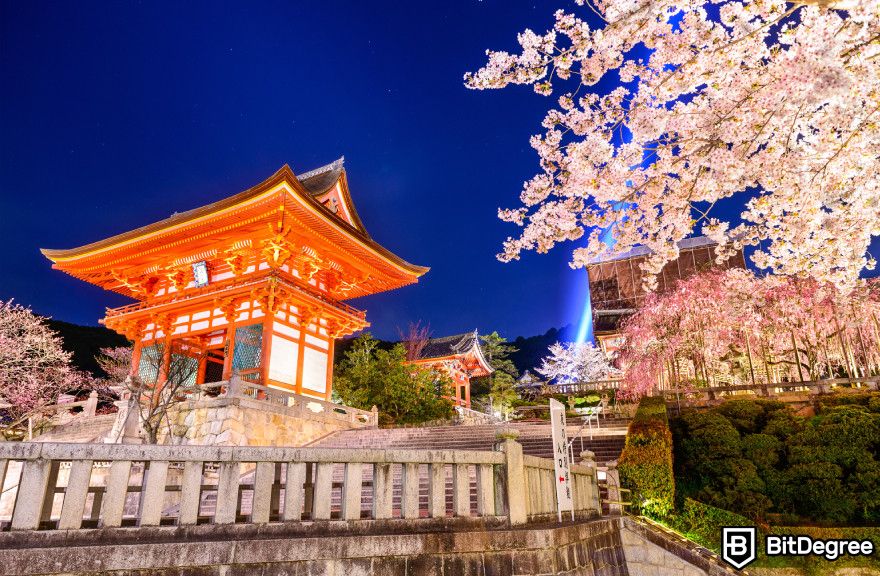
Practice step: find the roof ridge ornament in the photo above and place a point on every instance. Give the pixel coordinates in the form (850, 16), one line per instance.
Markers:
(336, 164)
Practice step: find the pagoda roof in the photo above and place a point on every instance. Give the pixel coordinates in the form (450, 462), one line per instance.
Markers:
(315, 183)
(642, 251)
(455, 345)
(321, 195)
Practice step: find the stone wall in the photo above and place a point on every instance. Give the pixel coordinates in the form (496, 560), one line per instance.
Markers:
(653, 551)
(241, 421)
(445, 547)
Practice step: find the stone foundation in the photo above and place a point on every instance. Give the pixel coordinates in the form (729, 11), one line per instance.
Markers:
(241, 421)
(448, 547)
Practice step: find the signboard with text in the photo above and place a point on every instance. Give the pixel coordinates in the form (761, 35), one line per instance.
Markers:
(560, 459)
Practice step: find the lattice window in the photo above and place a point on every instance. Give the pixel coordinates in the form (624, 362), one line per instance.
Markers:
(186, 368)
(248, 351)
(148, 367)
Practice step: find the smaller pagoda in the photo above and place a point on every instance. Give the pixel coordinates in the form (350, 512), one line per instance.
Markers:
(461, 358)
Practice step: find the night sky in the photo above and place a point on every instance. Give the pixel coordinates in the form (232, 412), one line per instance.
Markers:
(116, 114)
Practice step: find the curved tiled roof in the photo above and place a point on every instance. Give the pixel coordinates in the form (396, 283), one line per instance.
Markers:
(314, 183)
(453, 346)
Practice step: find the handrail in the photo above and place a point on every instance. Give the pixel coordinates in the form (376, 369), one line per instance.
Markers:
(765, 388)
(232, 286)
(257, 485)
(241, 388)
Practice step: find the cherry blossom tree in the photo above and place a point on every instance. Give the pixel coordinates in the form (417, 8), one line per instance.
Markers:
(775, 103)
(116, 363)
(34, 368)
(575, 362)
(732, 327)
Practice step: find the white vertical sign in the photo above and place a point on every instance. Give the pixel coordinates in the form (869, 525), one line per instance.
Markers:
(560, 459)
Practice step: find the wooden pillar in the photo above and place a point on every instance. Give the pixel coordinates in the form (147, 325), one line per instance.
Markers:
(300, 359)
(797, 356)
(749, 354)
(231, 314)
(266, 352)
(203, 364)
(165, 368)
(329, 388)
(136, 356)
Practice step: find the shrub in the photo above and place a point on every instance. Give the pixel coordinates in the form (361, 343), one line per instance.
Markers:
(702, 523)
(759, 459)
(750, 415)
(646, 462)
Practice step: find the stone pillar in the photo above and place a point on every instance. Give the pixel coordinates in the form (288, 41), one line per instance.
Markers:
(514, 478)
(612, 480)
(234, 387)
(91, 406)
(591, 497)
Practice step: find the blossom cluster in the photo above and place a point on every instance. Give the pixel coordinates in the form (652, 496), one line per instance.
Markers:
(733, 327)
(576, 362)
(34, 367)
(777, 103)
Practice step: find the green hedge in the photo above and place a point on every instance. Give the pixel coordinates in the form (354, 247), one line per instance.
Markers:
(702, 523)
(646, 462)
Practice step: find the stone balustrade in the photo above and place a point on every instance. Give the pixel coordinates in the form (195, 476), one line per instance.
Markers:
(810, 387)
(239, 387)
(112, 485)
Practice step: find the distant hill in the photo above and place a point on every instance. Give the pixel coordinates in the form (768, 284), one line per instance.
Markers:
(85, 342)
(533, 349)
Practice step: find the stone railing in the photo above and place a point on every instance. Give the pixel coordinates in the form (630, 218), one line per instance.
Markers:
(540, 486)
(112, 485)
(572, 388)
(466, 415)
(712, 393)
(61, 413)
(239, 387)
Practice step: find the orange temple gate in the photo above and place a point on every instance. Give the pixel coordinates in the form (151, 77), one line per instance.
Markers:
(253, 283)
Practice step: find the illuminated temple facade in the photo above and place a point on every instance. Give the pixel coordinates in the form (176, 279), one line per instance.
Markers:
(616, 290)
(254, 283)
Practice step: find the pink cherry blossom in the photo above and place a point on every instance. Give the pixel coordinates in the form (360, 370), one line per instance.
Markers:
(732, 327)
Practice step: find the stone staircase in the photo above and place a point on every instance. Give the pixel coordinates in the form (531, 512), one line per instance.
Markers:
(606, 442)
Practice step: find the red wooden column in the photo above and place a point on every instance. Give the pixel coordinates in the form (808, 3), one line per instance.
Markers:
(328, 394)
(136, 356)
(230, 311)
(266, 352)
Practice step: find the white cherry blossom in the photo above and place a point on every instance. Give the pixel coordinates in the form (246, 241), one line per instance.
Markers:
(773, 102)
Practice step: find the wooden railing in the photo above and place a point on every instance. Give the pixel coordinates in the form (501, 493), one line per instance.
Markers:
(63, 413)
(237, 386)
(234, 285)
(112, 485)
(546, 389)
(773, 389)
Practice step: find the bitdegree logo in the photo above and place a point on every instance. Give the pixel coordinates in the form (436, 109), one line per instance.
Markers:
(831, 549)
(739, 546)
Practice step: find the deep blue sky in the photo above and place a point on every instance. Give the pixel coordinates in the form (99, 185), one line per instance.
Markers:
(116, 114)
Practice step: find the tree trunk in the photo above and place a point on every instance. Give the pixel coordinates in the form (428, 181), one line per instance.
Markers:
(797, 356)
(749, 355)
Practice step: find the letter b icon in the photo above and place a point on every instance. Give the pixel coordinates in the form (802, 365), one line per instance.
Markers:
(738, 545)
